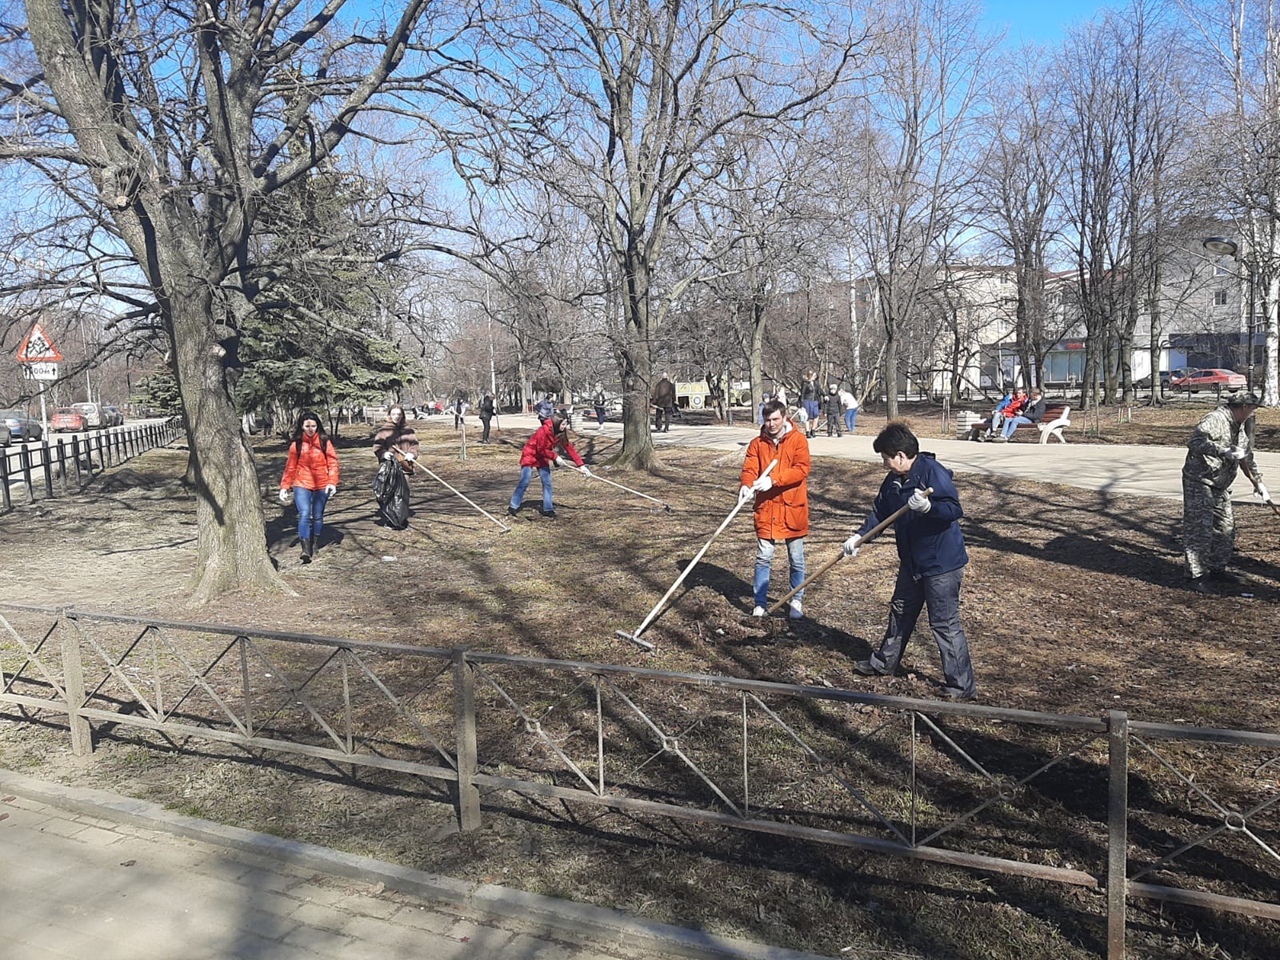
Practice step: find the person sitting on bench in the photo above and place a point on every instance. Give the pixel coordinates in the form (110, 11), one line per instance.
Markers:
(1031, 412)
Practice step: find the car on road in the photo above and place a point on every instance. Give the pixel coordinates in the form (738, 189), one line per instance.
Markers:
(93, 415)
(20, 426)
(66, 419)
(1209, 378)
(114, 414)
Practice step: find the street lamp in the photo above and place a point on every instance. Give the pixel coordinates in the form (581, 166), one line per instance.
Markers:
(1226, 247)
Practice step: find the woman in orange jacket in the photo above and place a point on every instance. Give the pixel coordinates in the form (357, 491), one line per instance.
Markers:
(781, 499)
(312, 473)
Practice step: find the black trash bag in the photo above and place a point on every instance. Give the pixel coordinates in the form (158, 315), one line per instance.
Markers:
(392, 492)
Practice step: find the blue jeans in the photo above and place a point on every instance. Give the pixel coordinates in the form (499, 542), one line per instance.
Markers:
(811, 408)
(764, 560)
(310, 504)
(940, 595)
(1011, 425)
(851, 419)
(526, 475)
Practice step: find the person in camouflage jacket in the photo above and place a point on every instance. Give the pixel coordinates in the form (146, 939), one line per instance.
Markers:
(1220, 445)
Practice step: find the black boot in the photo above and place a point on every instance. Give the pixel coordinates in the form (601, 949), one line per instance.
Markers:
(308, 547)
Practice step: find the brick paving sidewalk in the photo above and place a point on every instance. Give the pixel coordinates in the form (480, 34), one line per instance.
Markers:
(88, 875)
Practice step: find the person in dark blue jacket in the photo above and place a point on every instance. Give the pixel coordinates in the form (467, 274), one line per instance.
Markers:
(931, 559)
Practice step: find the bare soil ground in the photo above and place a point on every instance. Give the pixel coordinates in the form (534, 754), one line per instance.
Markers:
(1073, 604)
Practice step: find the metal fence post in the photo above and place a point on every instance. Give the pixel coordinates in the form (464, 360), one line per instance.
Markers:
(464, 706)
(4, 480)
(46, 467)
(1117, 832)
(73, 684)
(24, 462)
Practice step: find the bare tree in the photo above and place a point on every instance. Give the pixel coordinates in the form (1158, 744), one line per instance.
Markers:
(638, 101)
(913, 131)
(167, 126)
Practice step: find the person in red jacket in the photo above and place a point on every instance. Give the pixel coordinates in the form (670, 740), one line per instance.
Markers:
(312, 473)
(540, 451)
(781, 500)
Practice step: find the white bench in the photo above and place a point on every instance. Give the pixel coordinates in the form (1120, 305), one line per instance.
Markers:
(1055, 418)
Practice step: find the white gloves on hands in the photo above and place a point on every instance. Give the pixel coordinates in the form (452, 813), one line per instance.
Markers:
(745, 493)
(1261, 492)
(285, 494)
(1236, 453)
(388, 455)
(561, 462)
(919, 502)
(851, 545)
(763, 484)
(411, 457)
(584, 471)
(330, 490)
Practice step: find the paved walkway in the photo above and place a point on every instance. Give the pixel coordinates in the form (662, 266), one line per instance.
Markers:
(1117, 469)
(89, 875)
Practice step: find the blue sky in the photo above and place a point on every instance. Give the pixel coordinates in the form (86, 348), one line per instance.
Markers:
(1039, 21)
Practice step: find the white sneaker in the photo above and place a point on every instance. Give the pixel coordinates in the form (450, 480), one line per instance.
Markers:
(796, 611)
(758, 612)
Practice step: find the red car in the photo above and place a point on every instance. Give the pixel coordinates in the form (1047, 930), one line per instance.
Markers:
(66, 419)
(1210, 378)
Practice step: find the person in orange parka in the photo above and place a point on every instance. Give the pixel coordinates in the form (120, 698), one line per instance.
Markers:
(312, 473)
(781, 500)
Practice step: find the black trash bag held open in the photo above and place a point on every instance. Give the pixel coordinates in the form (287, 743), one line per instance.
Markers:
(392, 492)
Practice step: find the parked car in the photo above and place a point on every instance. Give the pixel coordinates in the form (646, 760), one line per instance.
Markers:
(92, 414)
(21, 426)
(113, 414)
(66, 419)
(1209, 378)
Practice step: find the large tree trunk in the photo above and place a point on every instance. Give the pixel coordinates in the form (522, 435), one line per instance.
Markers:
(232, 552)
(635, 365)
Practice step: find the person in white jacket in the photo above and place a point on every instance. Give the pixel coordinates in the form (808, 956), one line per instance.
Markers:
(850, 409)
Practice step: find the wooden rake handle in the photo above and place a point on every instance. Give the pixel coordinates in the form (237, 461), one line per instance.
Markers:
(874, 532)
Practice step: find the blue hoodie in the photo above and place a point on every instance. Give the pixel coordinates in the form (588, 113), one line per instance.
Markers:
(930, 543)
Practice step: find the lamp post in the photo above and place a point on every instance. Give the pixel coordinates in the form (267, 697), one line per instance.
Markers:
(1225, 247)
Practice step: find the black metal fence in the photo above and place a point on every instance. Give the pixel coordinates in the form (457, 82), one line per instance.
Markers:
(1167, 812)
(56, 464)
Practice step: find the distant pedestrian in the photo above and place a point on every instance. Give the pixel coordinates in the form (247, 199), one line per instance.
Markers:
(810, 397)
(833, 408)
(460, 408)
(1219, 446)
(931, 559)
(546, 447)
(664, 401)
(781, 501)
(311, 473)
(487, 409)
(850, 409)
(544, 408)
(599, 402)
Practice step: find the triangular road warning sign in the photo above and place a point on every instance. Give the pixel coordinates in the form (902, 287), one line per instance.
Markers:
(38, 348)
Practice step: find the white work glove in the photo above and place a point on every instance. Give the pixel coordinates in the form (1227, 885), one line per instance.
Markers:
(411, 457)
(745, 493)
(584, 471)
(1236, 453)
(561, 462)
(763, 485)
(1261, 492)
(330, 490)
(851, 545)
(285, 494)
(919, 502)
(388, 455)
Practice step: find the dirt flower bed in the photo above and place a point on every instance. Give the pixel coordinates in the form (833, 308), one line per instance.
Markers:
(1073, 604)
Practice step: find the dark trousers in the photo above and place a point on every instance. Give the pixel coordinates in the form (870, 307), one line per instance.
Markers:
(484, 437)
(662, 419)
(940, 596)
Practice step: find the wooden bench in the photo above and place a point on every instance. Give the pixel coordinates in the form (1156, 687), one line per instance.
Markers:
(1056, 418)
